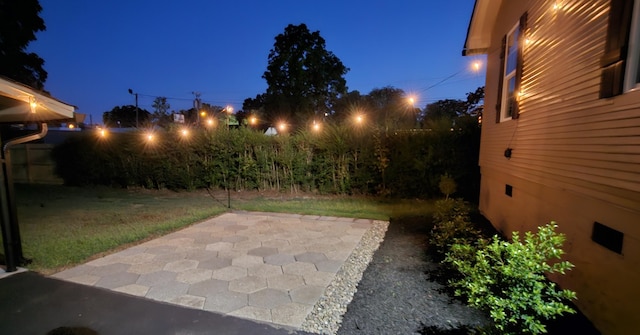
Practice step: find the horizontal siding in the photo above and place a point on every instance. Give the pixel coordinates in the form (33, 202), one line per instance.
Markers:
(566, 137)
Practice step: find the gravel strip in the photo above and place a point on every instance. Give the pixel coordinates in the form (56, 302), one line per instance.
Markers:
(326, 316)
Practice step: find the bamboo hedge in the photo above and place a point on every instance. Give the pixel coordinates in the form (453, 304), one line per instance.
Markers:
(336, 160)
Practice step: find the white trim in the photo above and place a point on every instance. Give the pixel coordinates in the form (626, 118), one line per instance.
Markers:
(507, 76)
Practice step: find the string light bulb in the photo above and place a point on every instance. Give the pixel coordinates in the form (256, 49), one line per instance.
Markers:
(33, 104)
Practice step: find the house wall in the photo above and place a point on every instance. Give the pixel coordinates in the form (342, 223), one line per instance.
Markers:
(575, 158)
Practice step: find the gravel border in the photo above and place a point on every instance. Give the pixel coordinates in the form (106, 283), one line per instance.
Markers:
(326, 315)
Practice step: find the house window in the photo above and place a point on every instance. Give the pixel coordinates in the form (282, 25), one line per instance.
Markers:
(621, 55)
(632, 75)
(511, 72)
(511, 64)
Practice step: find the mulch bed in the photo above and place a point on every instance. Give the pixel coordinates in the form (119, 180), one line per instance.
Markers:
(400, 292)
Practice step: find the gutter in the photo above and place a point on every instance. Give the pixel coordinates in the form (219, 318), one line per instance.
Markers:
(9, 220)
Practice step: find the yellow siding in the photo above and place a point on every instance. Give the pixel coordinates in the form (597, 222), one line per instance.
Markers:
(575, 159)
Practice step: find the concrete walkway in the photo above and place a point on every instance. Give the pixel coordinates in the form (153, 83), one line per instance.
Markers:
(266, 267)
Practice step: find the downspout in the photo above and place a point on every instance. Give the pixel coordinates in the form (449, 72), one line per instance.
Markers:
(10, 229)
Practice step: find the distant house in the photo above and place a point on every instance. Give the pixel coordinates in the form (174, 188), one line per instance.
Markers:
(561, 138)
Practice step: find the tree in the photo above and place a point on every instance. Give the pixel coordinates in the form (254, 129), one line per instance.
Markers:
(124, 117)
(19, 23)
(390, 109)
(449, 110)
(161, 116)
(303, 78)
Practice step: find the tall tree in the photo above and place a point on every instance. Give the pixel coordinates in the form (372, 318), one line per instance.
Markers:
(303, 77)
(161, 116)
(19, 22)
(124, 117)
(390, 108)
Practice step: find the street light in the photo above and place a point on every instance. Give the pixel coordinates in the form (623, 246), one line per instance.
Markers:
(136, 95)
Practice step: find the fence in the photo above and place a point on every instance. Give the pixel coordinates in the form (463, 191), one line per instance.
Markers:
(31, 163)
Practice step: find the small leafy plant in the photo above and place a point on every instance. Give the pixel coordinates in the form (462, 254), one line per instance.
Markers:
(452, 225)
(447, 185)
(507, 279)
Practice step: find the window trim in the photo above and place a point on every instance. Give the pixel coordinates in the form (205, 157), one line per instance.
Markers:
(631, 75)
(508, 76)
(502, 98)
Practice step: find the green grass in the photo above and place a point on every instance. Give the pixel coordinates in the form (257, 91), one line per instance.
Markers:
(65, 226)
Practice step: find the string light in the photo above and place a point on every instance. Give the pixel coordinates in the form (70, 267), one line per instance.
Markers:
(33, 104)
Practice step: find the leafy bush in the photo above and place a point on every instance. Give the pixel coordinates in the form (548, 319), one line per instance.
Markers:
(507, 279)
(447, 185)
(451, 225)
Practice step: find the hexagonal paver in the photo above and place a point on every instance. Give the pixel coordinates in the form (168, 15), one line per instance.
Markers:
(264, 270)
(156, 278)
(311, 257)
(168, 291)
(229, 273)
(262, 251)
(247, 261)
(329, 265)
(109, 269)
(139, 258)
(234, 238)
(145, 268)
(319, 278)
(247, 245)
(275, 243)
(291, 314)
(193, 276)
(208, 287)
(269, 298)
(217, 246)
(133, 289)
(299, 268)
(307, 294)
(285, 282)
(236, 227)
(225, 302)
(279, 259)
(254, 313)
(189, 301)
(214, 263)
(117, 279)
(248, 284)
(181, 265)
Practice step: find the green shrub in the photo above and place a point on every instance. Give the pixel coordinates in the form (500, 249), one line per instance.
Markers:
(507, 279)
(451, 225)
(447, 185)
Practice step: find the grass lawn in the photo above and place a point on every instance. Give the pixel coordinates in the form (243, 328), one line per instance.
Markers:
(64, 226)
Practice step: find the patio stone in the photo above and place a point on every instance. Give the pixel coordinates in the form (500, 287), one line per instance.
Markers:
(193, 276)
(311, 257)
(217, 246)
(167, 291)
(279, 259)
(248, 284)
(299, 268)
(285, 282)
(156, 278)
(268, 298)
(247, 261)
(291, 314)
(214, 263)
(189, 301)
(133, 289)
(225, 302)
(329, 265)
(307, 294)
(264, 270)
(181, 265)
(252, 312)
(262, 251)
(208, 287)
(229, 273)
(109, 269)
(117, 279)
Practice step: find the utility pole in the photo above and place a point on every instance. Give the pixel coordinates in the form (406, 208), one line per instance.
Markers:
(197, 105)
(136, 95)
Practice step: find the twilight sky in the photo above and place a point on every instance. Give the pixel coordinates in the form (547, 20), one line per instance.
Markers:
(94, 51)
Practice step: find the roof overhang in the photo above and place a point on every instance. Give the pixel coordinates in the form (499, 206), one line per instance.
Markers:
(23, 104)
(485, 13)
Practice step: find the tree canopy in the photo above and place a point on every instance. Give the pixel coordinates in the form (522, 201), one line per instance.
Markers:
(304, 78)
(125, 117)
(19, 23)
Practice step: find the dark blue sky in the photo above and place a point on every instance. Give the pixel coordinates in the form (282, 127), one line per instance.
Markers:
(94, 51)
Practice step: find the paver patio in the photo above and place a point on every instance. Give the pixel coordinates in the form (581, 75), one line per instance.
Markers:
(262, 266)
